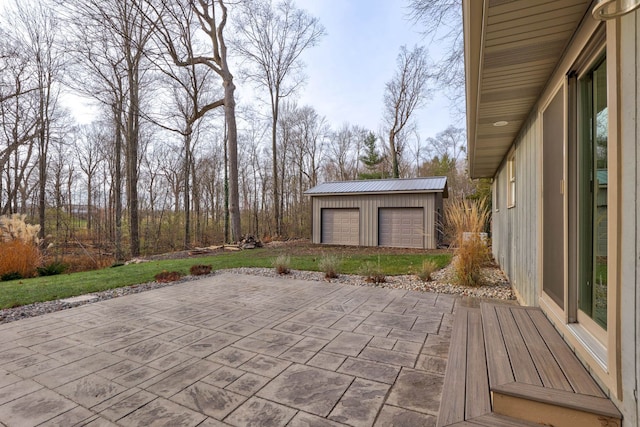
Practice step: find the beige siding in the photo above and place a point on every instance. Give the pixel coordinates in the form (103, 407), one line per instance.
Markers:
(368, 205)
(630, 216)
(515, 230)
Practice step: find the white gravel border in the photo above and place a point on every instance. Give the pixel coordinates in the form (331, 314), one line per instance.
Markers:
(497, 287)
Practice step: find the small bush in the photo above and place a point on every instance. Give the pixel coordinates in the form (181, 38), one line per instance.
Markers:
(282, 264)
(19, 257)
(52, 269)
(372, 273)
(329, 265)
(200, 270)
(167, 276)
(77, 263)
(14, 275)
(428, 268)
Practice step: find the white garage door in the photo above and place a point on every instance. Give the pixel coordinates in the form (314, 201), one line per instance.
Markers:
(340, 226)
(401, 227)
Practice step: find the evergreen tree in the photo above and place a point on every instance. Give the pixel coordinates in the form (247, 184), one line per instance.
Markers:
(372, 159)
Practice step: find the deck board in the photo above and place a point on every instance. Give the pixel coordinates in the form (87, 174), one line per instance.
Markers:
(524, 370)
(478, 401)
(578, 377)
(499, 356)
(548, 369)
(452, 404)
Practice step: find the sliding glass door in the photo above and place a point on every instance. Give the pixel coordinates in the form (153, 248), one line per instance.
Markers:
(592, 197)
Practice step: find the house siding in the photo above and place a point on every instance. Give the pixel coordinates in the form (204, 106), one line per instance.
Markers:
(517, 241)
(515, 230)
(369, 205)
(630, 216)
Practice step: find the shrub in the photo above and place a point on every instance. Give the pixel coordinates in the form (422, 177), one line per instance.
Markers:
(19, 257)
(77, 263)
(467, 220)
(330, 264)
(52, 269)
(428, 267)
(14, 275)
(167, 276)
(199, 269)
(14, 227)
(282, 264)
(372, 273)
(469, 259)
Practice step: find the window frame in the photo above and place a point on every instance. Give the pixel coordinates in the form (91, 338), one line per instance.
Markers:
(511, 180)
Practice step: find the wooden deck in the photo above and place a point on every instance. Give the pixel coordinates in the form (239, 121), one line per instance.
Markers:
(508, 366)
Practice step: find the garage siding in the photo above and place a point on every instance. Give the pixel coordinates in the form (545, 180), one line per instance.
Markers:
(369, 206)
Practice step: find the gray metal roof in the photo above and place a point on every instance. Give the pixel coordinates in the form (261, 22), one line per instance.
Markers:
(434, 184)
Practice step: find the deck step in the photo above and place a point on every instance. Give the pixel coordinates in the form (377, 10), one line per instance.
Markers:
(534, 376)
(494, 420)
(553, 407)
(508, 366)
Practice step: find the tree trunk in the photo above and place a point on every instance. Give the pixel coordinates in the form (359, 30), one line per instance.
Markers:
(274, 149)
(234, 195)
(117, 190)
(187, 189)
(89, 200)
(226, 185)
(132, 163)
(395, 170)
(42, 175)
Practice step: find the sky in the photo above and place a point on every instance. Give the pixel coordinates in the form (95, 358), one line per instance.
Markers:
(347, 71)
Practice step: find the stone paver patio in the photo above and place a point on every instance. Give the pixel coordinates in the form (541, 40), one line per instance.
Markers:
(231, 350)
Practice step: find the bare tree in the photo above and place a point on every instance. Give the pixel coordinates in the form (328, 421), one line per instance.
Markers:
(111, 37)
(344, 149)
(272, 38)
(450, 142)
(96, 72)
(406, 91)
(448, 158)
(88, 141)
(441, 22)
(173, 21)
(38, 26)
(192, 97)
(19, 122)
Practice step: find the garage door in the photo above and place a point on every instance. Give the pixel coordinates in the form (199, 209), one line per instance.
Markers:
(340, 226)
(401, 227)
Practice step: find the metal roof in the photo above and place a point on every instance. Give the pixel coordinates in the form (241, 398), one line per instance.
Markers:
(434, 184)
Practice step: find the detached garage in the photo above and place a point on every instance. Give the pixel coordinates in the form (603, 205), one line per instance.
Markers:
(404, 213)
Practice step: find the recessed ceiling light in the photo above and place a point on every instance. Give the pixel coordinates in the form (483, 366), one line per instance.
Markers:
(501, 123)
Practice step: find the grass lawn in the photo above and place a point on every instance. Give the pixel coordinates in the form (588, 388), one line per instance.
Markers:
(26, 291)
